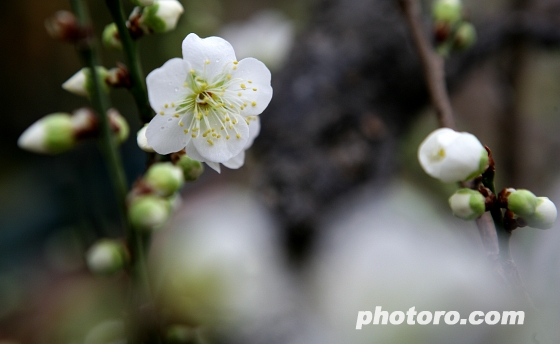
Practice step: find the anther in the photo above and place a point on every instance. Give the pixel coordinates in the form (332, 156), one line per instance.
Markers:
(210, 142)
(242, 86)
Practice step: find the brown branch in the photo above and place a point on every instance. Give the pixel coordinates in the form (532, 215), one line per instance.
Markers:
(432, 64)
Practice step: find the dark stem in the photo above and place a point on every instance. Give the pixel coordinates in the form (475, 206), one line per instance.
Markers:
(101, 105)
(140, 290)
(130, 49)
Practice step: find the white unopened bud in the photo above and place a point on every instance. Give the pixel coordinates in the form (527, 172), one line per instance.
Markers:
(106, 257)
(522, 202)
(148, 212)
(452, 156)
(544, 215)
(165, 178)
(143, 141)
(81, 83)
(162, 16)
(52, 134)
(467, 204)
(111, 38)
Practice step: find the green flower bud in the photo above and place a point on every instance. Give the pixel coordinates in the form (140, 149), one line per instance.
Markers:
(81, 83)
(521, 202)
(162, 16)
(544, 215)
(148, 212)
(192, 169)
(106, 257)
(52, 134)
(465, 36)
(467, 204)
(165, 178)
(110, 37)
(450, 11)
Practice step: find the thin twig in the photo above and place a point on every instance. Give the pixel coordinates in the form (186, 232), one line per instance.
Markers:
(101, 104)
(130, 49)
(140, 289)
(432, 64)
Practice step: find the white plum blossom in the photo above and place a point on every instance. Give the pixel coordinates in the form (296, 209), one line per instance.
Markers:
(452, 156)
(207, 102)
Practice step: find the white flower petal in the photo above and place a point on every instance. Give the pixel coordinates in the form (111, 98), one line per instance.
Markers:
(254, 130)
(254, 84)
(235, 162)
(165, 135)
(210, 55)
(165, 84)
(213, 165)
(223, 148)
(192, 152)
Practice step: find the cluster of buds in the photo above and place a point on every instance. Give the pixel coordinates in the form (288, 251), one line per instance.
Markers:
(451, 31)
(82, 82)
(155, 196)
(453, 157)
(527, 209)
(60, 132)
(150, 16)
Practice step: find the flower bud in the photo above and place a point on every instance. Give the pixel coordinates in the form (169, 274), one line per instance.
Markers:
(544, 215)
(165, 178)
(162, 16)
(142, 2)
(467, 204)
(52, 134)
(143, 141)
(192, 169)
(522, 202)
(64, 26)
(465, 36)
(148, 212)
(449, 11)
(106, 257)
(119, 125)
(452, 156)
(111, 38)
(81, 83)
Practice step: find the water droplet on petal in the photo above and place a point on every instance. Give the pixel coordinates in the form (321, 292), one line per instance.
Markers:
(176, 89)
(162, 128)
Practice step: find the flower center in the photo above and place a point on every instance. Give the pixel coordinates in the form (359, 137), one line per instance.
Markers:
(212, 107)
(438, 155)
